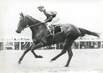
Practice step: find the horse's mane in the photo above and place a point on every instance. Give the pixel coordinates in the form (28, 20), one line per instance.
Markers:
(32, 19)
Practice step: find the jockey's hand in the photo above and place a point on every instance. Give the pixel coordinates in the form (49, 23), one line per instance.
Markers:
(44, 22)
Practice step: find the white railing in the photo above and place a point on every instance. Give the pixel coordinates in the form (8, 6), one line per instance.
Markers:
(19, 44)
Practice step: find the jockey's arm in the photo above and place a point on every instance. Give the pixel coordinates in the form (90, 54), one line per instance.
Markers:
(49, 19)
(45, 12)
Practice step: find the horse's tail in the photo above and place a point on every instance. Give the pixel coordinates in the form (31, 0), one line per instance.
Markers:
(84, 31)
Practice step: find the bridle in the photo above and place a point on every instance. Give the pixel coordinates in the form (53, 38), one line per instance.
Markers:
(37, 24)
(33, 25)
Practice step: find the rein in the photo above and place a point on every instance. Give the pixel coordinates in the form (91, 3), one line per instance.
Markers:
(33, 25)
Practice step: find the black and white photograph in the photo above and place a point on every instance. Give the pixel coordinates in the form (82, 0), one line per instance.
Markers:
(51, 36)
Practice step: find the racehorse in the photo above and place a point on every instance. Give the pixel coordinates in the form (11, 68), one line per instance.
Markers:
(41, 36)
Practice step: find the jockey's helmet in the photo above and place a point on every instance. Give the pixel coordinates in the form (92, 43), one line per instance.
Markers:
(41, 8)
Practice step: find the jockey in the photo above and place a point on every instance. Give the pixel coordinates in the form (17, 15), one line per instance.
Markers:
(49, 15)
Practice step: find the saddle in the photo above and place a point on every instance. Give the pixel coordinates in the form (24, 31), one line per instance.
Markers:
(52, 38)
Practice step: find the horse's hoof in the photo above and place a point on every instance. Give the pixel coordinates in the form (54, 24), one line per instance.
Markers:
(53, 59)
(66, 65)
(39, 56)
(19, 62)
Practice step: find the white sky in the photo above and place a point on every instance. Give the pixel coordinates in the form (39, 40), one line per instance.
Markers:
(82, 13)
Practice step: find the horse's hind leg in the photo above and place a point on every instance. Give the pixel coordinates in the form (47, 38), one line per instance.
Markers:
(62, 52)
(70, 54)
(67, 46)
(69, 43)
(21, 58)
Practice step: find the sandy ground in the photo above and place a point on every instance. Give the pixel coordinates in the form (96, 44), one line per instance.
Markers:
(83, 61)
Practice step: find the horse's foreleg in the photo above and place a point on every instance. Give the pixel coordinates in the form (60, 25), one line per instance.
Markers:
(36, 56)
(70, 54)
(21, 58)
(62, 52)
(39, 45)
(32, 48)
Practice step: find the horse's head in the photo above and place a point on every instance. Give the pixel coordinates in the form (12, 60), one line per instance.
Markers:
(26, 21)
(22, 23)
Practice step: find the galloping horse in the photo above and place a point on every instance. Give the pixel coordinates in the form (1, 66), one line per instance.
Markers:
(41, 37)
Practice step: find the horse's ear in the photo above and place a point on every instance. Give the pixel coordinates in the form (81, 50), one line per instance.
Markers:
(21, 14)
